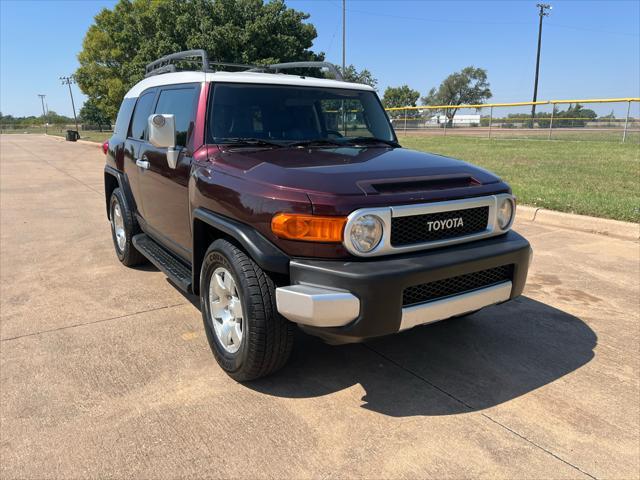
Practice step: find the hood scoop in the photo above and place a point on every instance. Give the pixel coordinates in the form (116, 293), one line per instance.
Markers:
(413, 184)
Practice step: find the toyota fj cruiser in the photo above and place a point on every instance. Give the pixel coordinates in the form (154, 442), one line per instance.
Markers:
(284, 199)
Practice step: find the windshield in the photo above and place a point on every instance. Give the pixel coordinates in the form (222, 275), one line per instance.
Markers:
(273, 114)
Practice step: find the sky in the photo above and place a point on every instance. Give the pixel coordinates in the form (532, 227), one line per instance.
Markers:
(590, 49)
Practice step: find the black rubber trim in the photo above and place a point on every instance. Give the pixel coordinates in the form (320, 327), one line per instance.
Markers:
(379, 283)
(269, 257)
(123, 183)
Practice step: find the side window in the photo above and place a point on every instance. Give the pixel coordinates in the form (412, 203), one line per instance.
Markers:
(180, 102)
(124, 116)
(141, 116)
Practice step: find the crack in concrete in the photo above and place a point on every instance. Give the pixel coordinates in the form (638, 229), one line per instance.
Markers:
(93, 322)
(470, 408)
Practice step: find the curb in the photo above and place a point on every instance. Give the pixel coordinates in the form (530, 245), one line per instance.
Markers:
(62, 139)
(582, 223)
(89, 142)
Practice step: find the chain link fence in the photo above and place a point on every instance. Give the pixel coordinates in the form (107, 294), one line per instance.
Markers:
(615, 120)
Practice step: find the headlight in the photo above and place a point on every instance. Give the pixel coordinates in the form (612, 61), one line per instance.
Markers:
(506, 211)
(365, 233)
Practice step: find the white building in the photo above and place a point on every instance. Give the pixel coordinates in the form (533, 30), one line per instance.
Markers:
(459, 120)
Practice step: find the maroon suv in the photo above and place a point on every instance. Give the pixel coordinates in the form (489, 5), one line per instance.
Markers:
(286, 199)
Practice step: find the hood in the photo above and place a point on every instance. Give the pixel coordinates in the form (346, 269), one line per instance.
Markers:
(352, 170)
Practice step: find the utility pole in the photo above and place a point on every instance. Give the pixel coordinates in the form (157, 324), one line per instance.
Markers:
(68, 81)
(344, 61)
(542, 13)
(44, 112)
(344, 35)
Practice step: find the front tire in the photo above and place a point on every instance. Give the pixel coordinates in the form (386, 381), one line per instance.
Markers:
(248, 337)
(123, 228)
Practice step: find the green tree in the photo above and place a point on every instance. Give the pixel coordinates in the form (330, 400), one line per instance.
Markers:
(573, 116)
(350, 74)
(469, 86)
(91, 114)
(122, 41)
(402, 96)
(58, 120)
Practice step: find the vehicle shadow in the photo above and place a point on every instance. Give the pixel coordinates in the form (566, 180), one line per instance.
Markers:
(457, 366)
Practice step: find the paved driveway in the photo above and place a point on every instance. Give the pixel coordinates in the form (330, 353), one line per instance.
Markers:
(105, 371)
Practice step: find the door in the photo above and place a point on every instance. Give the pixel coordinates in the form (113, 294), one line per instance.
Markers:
(166, 190)
(136, 139)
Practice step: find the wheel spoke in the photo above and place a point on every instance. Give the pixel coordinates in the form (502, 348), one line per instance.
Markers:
(235, 307)
(216, 306)
(225, 308)
(216, 286)
(221, 283)
(236, 335)
(225, 333)
(229, 284)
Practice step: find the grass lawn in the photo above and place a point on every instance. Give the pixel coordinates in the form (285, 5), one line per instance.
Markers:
(601, 179)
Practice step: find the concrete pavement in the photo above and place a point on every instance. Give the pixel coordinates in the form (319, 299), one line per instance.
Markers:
(105, 371)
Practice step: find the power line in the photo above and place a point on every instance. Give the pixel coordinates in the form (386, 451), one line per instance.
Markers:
(478, 22)
(586, 29)
(433, 20)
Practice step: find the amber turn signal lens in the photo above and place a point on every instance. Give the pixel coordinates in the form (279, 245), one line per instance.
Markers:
(309, 228)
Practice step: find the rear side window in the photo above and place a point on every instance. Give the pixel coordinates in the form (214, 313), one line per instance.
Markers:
(124, 115)
(181, 103)
(141, 116)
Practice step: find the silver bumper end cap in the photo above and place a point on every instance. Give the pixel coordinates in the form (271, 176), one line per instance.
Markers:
(453, 306)
(317, 306)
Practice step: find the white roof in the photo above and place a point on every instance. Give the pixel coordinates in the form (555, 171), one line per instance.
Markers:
(239, 77)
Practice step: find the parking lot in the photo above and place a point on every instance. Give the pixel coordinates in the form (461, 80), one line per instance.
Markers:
(106, 372)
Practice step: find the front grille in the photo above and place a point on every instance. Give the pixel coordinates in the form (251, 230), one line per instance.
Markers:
(447, 287)
(434, 226)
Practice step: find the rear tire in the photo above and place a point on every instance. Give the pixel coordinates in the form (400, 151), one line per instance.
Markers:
(248, 337)
(123, 228)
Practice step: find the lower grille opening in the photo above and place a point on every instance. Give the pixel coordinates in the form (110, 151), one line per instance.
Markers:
(447, 287)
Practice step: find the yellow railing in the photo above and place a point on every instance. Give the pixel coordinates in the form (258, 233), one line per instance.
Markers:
(546, 121)
(516, 104)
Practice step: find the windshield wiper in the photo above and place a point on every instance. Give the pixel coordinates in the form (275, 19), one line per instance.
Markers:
(369, 140)
(242, 141)
(315, 141)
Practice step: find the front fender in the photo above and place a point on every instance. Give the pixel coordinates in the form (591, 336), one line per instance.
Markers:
(269, 257)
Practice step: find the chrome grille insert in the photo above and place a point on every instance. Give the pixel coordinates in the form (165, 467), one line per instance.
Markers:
(391, 243)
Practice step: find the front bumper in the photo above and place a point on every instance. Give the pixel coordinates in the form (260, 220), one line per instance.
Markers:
(349, 301)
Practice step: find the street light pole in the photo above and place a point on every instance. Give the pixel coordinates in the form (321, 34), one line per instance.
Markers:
(542, 13)
(44, 112)
(68, 81)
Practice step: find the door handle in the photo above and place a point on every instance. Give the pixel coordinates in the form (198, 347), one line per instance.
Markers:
(143, 162)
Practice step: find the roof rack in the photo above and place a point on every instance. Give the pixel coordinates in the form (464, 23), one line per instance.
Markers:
(167, 64)
(276, 67)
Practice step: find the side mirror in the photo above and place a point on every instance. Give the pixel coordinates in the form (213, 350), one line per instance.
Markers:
(162, 134)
